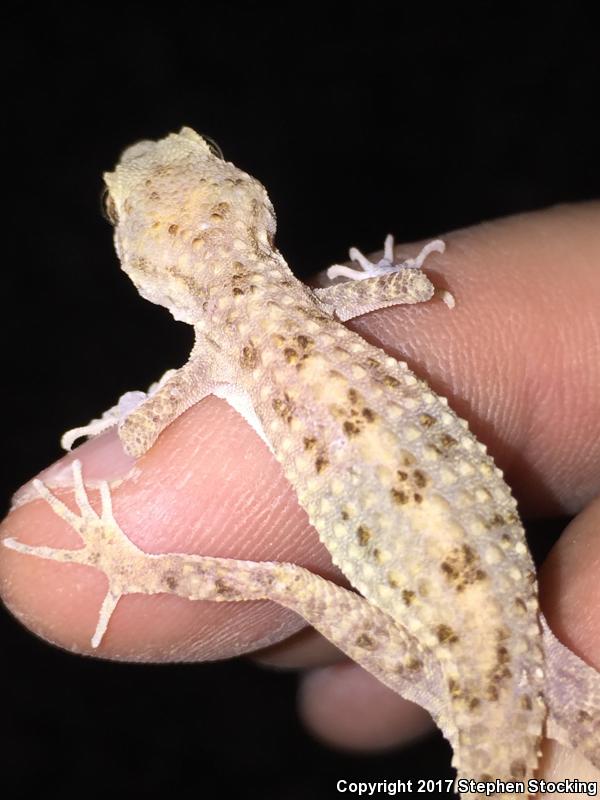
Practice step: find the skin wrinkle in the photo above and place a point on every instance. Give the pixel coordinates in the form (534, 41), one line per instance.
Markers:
(129, 526)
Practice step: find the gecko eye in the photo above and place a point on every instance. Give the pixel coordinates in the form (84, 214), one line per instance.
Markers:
(213, 147)
(109, 210)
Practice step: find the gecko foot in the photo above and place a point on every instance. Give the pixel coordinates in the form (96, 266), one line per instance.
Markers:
(105, 545)
(116, 415)
(385, 265)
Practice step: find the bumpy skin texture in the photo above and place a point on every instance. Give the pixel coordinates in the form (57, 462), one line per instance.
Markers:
(406, 500)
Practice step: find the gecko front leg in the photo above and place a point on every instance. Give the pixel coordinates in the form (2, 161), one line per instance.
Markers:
(125, 405)
(141, 417)
(380, 284)
(184, 388)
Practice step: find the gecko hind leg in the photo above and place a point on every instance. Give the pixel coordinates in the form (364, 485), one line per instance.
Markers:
(365, 633)
(104, 544)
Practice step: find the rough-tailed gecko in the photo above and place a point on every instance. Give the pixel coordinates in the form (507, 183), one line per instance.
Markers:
(406, 500)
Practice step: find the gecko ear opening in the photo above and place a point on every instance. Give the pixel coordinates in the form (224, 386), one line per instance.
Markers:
(190, 133)
(108, 207)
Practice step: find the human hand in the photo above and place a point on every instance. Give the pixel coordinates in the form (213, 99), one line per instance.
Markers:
(519, 357)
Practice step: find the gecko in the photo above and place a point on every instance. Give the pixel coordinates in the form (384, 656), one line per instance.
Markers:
(443, 607)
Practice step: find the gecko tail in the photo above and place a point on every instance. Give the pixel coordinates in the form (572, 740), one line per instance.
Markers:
(573, 697)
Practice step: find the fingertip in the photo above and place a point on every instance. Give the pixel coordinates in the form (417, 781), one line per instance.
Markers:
(347, 708)
(208, 487)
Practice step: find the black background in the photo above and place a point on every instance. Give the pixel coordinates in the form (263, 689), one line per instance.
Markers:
(359, 118)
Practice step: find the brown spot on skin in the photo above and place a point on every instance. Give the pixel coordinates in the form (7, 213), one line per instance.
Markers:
(454, 689)
(492, 693)
(350, 429)
(155, 196)
(419, 478)
(222, 588)
(392, 382)
(364, 535)
(172, 229)
(399, 497)
(583, 716)
(219, 212)
(141, 264)
(474, 702)
(497, 520)
(284, 408)
(446, 635)
(392, 581)
(345, 515)
(518, 769)
(461, 567)
(365, 641)
(520, 605)
(502, 634)
(309, 442)
(171, 582)
(355, 416)
(408, 596)
(418, 498)
(236, 291)
(304, 341)
(249, 357)
(402, 475)
(321, 463)
(290, 355)
(377, 554)
(499, 672)
(414, 664)
(447, 441)
(240, 270)
(426, 420)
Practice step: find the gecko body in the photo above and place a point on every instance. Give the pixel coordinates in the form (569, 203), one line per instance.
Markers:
(406, 500)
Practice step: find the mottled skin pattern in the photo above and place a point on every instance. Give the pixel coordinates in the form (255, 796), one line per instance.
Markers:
(406, 500)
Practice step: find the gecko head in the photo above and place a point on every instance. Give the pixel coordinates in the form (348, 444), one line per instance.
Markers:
(179, 210)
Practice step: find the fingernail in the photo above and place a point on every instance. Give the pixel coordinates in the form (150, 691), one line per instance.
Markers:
(103, 458)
